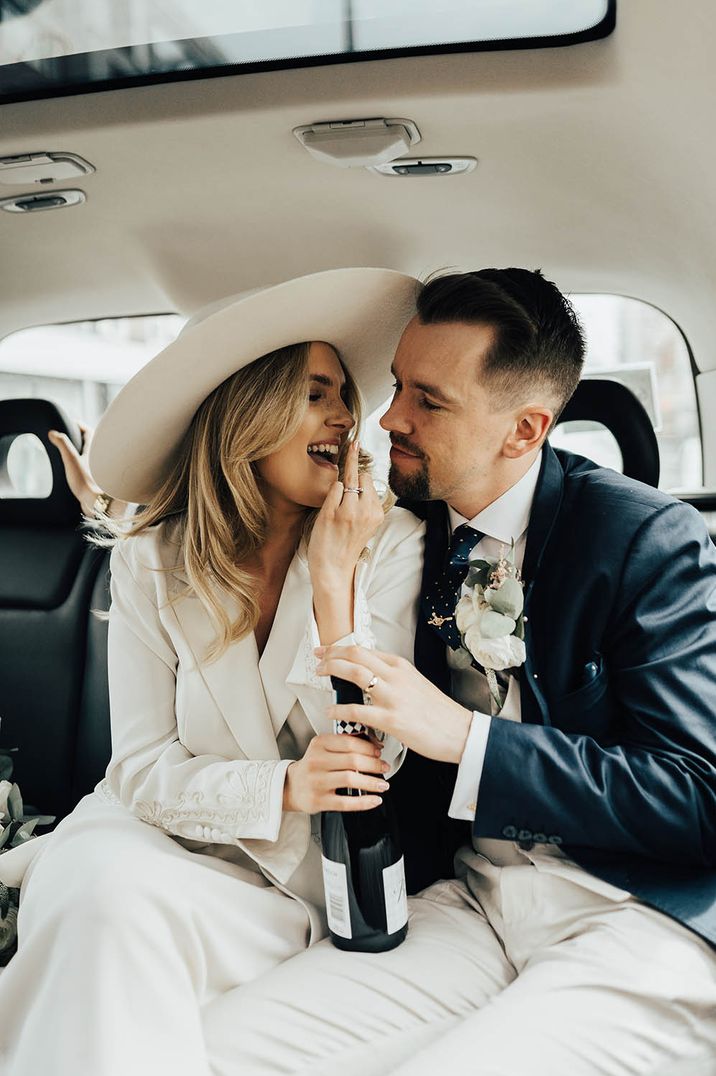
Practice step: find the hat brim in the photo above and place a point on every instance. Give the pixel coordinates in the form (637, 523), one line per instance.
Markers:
(360, 312)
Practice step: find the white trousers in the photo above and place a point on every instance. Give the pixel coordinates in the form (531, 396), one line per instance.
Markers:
(124, 937)
(533, 975)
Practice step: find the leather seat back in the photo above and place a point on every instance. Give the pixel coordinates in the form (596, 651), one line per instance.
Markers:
(47, 575)
(615, 406)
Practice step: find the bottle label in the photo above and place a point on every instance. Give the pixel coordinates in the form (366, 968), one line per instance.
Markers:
(396, 898)
(335, 884)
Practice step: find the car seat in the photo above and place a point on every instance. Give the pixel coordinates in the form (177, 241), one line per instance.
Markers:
(53, 682)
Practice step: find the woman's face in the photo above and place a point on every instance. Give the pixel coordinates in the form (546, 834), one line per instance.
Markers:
(303, 470)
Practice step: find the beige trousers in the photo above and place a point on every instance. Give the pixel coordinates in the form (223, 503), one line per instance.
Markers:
(528, 975)
(124, 937)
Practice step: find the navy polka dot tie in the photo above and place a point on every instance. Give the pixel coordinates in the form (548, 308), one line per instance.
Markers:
(442, 597)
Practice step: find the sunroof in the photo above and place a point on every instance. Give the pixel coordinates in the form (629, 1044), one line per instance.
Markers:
(54, 47)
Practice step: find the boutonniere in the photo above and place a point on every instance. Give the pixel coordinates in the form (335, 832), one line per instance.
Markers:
(490, 618)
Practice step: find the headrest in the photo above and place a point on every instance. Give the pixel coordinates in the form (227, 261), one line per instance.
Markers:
(616, 407)
(60, 509)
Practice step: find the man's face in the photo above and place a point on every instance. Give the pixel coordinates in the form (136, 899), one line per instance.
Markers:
(446, 434)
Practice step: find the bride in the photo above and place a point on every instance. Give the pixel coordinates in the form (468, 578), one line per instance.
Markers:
(194, 867)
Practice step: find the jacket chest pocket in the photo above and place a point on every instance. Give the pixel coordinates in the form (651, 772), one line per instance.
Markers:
(589, 708)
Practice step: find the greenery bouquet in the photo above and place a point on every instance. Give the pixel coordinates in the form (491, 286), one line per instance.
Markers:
(16, 827)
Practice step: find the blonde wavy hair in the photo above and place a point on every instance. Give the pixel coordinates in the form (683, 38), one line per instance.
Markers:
(211, 502)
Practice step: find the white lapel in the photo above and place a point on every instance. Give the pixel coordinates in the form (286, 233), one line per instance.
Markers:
(287, 633)
(233, 680)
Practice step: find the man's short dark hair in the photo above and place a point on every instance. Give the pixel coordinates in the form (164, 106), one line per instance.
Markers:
(538, 339)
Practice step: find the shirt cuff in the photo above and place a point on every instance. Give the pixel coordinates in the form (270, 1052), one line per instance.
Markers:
(469, 773)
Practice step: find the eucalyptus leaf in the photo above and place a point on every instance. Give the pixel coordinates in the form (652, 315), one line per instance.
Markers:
(4, 835)
(12, 830)
(40, 819)
(14, 803)
(6, 767)
(24, 832)
(507, 599)
(494, 625)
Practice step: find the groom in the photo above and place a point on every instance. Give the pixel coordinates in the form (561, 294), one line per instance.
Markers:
(577, 937)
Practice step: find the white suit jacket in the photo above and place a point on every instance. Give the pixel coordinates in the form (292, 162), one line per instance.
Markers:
(194, 744)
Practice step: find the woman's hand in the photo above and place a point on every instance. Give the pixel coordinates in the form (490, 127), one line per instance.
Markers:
(332, 762)
(77, 470)
(345, 523)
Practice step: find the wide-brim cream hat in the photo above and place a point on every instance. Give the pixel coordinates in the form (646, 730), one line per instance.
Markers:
(360, 312)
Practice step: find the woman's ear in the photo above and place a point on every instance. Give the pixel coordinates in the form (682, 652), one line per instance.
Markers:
(531, 427)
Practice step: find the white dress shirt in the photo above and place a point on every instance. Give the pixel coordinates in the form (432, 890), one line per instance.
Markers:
(504, 519)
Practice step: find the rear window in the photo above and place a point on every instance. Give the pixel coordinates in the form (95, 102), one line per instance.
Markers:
(637, 344)
(81, 367)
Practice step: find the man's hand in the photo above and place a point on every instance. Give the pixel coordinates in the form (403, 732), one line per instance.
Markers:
(404, 703)
(335, 761)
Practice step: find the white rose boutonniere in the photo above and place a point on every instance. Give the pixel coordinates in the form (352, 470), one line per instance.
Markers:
(490, 618)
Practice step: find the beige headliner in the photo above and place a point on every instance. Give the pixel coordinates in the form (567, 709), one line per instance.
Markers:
(596, 163)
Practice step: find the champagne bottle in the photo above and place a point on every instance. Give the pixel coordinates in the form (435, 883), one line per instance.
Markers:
(363, 871)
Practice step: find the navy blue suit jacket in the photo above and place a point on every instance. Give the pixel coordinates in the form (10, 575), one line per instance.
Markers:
(615, 758)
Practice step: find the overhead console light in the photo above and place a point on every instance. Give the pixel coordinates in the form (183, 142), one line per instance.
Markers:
(41, 168)
(358, 143)
(427, 166)
(36, 203)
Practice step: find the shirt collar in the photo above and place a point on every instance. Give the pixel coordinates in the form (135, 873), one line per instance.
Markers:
(508, 516)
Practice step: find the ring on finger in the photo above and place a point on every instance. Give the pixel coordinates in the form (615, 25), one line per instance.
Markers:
(353, 489)
(371, 683)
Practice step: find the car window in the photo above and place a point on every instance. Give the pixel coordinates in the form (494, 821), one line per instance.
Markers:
(635, 343)
(81, 367)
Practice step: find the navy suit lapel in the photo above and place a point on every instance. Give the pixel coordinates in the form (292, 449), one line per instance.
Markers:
(545, 509)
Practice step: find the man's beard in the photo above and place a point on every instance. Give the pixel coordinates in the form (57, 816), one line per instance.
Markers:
(414, 487)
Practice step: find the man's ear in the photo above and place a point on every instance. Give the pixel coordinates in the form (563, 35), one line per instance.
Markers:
(531, 427)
